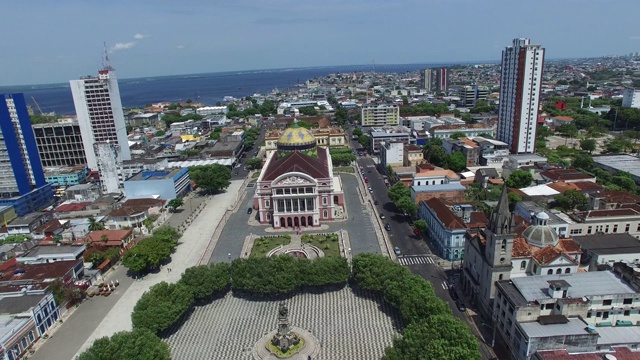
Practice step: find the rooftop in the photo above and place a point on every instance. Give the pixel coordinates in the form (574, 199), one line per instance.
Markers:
(583, 284)
(607, 244)
(620, 353)
(27, 219)
(448, 219)
(438, 188)
(282, 163)
(18, 304)
(627, 163)
(565, 174)
(155, 175)
(618, 335)
(534, 329)
(52, 250)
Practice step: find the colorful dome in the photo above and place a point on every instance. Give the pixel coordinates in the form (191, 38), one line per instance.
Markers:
(296, 138)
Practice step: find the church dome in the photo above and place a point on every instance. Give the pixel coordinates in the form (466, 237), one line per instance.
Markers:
(540, 235)
(296, 138)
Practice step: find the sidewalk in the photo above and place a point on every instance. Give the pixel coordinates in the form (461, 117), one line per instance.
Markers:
(193, 243)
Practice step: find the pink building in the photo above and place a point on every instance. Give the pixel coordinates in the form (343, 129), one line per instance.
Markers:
(296, 187)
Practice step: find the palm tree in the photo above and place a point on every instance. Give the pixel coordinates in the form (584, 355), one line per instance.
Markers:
(95, 224)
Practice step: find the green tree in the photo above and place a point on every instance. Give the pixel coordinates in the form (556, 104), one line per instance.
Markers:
(519, 179)
(583, 162)
(253, 163)
(175, 203)
(398, 191)
(364, 140)
(572, 199)
(569, 130)
(434, 152)
(206, 281)
(308, 111)
(162, 306)
(211, 178)
(357, 132)
(94, 224)
(588, 145)
(513, 198)
(420, 225)
(456, 161)
(406, 205)
(139, 344)
(457, 135)
(160, 133)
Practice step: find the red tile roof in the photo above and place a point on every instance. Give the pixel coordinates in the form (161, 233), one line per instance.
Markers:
(569, 246)
(565, 174)
(38, 272)
(48, 227)
(620, 353)
(588, 186)
(79, 206)
(606, 213)
(283, 163)
(136, 206)
(112, 235)
(619, 197)
(445, 215)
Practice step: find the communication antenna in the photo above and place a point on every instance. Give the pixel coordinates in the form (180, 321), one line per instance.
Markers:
(106, 64)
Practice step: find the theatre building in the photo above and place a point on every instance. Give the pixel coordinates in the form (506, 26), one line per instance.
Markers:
(297, 188)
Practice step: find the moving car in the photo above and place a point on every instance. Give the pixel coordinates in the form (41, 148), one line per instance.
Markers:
(382, 216)
(376, 202)
(387, 227)
(461, 306)
(366, 180)
(249, 210)
(396, 250)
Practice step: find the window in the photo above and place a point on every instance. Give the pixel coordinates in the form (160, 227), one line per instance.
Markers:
(627, 313)
(324, 200)
(598, 314)
(588, 314)
(605, 315)
(24, 342)
(549, 306)
(550, 272)
(567, 270)
(576, 231)
(615, 228)
(32, 338)
(267, 203)
(589, 229)
(606, 302)
(325, 214)
(559, 271)
(523, 265)
(500, 277)
(627, 301)
(626, 227)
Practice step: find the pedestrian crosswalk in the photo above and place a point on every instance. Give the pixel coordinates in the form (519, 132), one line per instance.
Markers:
(445, 285)
(415, 260)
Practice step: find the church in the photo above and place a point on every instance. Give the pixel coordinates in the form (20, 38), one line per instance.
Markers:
(297, 188)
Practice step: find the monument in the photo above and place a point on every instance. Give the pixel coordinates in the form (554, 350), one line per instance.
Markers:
(284, 339)
(288, 342)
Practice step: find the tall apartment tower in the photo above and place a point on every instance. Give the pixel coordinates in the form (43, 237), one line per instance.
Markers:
(435, 79)
(22, 181)
(521, 77)
(60, 144)
(99, 111)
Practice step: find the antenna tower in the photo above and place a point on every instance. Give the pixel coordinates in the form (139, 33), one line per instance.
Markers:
(106, 64)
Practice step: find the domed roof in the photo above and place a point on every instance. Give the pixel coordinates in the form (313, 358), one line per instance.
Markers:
(542, 215)
(540, 235)
(296, 137)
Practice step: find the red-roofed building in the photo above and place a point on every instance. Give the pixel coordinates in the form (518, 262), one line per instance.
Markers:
(567, 175)
(296, 187)
(617, 353)
(111, 238)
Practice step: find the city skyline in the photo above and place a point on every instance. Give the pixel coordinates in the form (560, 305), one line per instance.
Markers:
(153, 39)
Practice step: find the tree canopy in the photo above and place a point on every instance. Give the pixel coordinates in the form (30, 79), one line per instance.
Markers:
(211, 178)
(162, 306)
(139, 344)
(571, 199)
(175, 203)
(456, 161)
(152, 251)
(207, 280)
(519, 179)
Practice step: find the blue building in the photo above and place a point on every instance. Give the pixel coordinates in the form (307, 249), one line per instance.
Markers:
(445, 228)
(22, 181)
(163, 184)
(66, 176)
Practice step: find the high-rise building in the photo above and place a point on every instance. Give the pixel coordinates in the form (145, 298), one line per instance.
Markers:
(22, 181)
(99, 111)
(631, 98)
(435, 79)
(521, 77)
(60, 144)
(471, 94)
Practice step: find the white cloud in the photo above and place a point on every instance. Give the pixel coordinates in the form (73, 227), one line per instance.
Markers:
(123, 46)
(140, 36)
(180, 46)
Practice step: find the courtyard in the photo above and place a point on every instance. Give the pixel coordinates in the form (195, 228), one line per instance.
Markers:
(350, 324)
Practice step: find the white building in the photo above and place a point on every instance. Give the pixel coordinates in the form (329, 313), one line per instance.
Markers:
(521, 77)
(631, 98)
(392, 154)
(380, 115)
(99, 111)
(109, 160)
(211, 110)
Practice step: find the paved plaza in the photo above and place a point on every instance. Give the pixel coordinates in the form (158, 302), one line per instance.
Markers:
(349, 326)
(362, 233)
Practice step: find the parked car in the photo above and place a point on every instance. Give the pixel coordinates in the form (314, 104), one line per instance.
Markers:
(387, 227)
(382, 216)
(396, 250)
(249, 210)
(461, 306)
(366, 180)
(376, 202)
(454, 295)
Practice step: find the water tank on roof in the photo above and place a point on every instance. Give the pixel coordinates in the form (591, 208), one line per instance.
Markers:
(610, 357)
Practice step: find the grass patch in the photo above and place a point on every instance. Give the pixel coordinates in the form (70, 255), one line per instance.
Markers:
(276, 350)
(262, 245)
(345, 169)
(325, 242)
(255, 175)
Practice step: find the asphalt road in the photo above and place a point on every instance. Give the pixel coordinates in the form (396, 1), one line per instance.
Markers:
(401, 235)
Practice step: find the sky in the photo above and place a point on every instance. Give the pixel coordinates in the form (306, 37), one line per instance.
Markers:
(47, 41)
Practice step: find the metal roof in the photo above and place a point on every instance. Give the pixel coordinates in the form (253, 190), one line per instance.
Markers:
(534, 329)
(627, 163)
(613, 335)
(584, 284)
